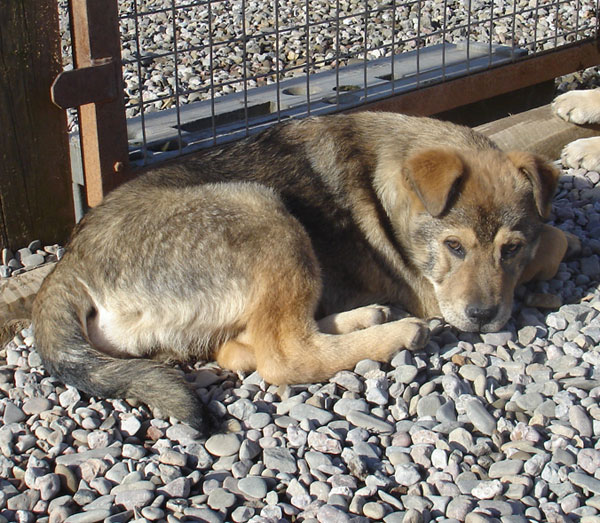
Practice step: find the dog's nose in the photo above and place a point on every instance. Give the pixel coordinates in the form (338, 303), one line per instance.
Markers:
(482, 314)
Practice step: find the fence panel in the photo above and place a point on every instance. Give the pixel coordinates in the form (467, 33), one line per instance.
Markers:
(203, 72)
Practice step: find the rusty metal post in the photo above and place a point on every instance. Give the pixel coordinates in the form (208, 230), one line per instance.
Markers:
(102, 124)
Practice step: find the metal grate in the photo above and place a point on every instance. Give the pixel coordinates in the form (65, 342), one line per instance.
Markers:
(198, 73)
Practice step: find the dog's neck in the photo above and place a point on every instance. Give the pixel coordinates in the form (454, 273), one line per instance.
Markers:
(410, 288)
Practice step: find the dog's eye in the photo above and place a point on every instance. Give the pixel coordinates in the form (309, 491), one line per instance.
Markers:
(510, 249)
(455, 247)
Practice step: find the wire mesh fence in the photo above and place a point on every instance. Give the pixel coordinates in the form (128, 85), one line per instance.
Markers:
(200, 72)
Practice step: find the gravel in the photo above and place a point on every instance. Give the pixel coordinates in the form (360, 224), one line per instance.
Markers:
(475, 428)
(13, 264)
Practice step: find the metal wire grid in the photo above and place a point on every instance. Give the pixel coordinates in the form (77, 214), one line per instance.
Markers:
(176, 52)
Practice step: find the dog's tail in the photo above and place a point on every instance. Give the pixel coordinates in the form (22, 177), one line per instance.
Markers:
(60, 314)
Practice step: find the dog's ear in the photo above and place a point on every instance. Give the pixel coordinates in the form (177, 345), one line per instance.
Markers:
(434, 175)
(542, 176)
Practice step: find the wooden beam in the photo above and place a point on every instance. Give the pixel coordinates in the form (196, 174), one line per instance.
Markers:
(492, 82)
(538, 131)
(36, 198)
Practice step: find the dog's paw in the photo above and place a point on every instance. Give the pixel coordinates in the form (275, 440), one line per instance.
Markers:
(414, 334)
(583, 153)
(578, 107)
(375, 315)
(573, 246)
(355, 319)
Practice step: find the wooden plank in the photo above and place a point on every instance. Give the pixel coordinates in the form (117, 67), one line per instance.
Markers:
(538, 131)
(36, 199)
(17, 294)
(492, 82)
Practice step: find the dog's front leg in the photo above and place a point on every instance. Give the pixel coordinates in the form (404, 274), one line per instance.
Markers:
(297, 352)
(355, 319)
(553, 247)
(316, 356)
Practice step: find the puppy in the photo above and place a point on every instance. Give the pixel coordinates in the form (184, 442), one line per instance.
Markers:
(281, 254)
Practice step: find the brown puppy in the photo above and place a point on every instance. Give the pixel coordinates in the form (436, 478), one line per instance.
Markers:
(235, 254)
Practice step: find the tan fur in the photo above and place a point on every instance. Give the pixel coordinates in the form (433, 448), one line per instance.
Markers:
(283, 253)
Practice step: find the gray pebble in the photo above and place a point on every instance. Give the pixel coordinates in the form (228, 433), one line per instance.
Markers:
(89, 516)
(584, 481)
(130, 425)
(459, 507)
(241, 409)
(497, 338)
(331, 514)
(366, 367)
(49, 486)
(134, 499)
(172, 457)
(35, 246)
(199, 514)
(303, 411)
(220, 499)
(33, 260)
(371, 423)
(280, 459)
(507, 467)
(374, 511)
(183, 434)
(481, 419)
(121, 517)
(249, 450)
(407, 474)
(242, 514)
(177, 488)
(26, 500)
(13, 414)
(253, 486)
(405, 373)
(580, 421)
(259, 420)
(377, 390)
(345, 405)
(348, 380)
(487, 489)
(223, 444)
(153, 513)
(429, 405)
(530, 401)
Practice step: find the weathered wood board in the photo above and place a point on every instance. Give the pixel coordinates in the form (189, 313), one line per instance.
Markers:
(36, 199)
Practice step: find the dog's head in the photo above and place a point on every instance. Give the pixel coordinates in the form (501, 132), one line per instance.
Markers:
(474, 224)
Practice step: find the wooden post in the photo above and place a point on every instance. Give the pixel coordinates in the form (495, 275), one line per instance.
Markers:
(103, 127)
(36, 195)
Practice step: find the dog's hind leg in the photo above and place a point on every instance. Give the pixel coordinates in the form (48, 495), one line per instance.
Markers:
(236, 355)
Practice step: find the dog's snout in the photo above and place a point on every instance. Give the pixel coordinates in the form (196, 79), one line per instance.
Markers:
(482, 314)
